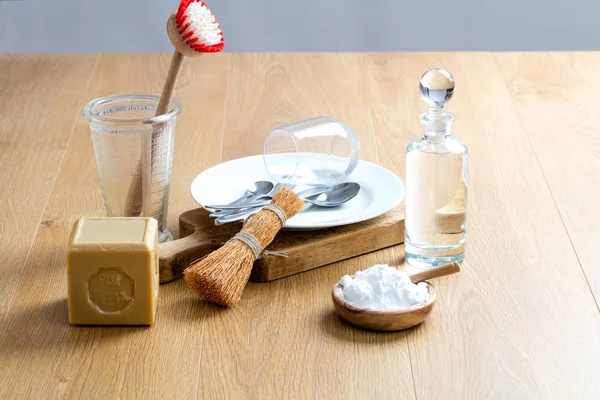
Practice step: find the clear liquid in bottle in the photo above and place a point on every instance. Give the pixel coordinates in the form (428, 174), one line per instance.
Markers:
(436, 182)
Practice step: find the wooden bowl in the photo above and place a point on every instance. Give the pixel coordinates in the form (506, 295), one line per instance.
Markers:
(387, 320)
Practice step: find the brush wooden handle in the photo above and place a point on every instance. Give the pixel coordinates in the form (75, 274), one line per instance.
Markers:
(169, 87)
(134, 203)
(442, 270)
(177, 255)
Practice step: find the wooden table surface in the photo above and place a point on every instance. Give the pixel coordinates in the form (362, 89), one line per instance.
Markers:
(520, 321)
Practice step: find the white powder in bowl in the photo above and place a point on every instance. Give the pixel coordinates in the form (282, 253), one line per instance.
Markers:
(382, 287)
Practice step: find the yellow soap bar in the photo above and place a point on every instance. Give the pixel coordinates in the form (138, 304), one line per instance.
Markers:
(112, 271)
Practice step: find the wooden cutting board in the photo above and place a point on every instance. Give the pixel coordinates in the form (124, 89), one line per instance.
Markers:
(304, 250)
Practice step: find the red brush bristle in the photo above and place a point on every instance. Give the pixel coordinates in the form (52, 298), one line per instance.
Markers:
(183, 5)
(187, 35)
(215, 48)
(183, 25)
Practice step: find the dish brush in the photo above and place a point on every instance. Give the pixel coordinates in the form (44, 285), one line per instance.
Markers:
(193, 31)
(221, 276)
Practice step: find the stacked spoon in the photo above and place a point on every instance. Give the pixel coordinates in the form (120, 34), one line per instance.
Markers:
(256, 197)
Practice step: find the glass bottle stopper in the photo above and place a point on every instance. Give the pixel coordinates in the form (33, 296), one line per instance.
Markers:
(437, 87)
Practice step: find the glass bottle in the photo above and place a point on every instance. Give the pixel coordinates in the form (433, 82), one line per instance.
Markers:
(436, 181)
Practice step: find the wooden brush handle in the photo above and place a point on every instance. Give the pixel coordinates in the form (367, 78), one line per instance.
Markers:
(177, 255)
(442, 270)
(169, 87)
(134, 203)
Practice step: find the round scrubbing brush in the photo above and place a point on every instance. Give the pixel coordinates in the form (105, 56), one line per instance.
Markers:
(193, 30)
(196, 26)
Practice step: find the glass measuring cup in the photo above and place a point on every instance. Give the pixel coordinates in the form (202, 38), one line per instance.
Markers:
(319, 151)
(134, 153)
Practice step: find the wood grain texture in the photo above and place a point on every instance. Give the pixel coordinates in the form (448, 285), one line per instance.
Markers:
(270, 90)
(61, 361)
(555, 95)
(41, 98)
(504, 327)
(285, 340)
(518, 321)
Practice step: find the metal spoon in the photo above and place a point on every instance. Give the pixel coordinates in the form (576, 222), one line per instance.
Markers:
(258, 188)
(236, 206)
(335, 196)
(331, 197)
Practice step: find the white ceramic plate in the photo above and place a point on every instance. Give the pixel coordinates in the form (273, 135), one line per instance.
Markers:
(381, 191)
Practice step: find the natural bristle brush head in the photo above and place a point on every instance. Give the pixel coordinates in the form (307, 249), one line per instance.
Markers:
(193, 30)
(221, 276)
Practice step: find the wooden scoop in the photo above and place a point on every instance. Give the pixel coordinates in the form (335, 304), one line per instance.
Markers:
(392, 320)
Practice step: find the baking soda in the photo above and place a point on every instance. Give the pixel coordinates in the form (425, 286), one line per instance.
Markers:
(382, 287)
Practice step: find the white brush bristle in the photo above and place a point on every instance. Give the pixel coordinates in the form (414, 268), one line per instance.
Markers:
(203, 23)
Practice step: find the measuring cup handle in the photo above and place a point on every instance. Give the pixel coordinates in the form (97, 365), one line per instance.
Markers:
(177, 255)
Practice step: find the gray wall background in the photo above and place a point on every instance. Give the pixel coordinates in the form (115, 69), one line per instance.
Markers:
(306, 25)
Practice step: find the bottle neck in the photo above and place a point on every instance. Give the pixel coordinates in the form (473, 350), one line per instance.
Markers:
(437, 123)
